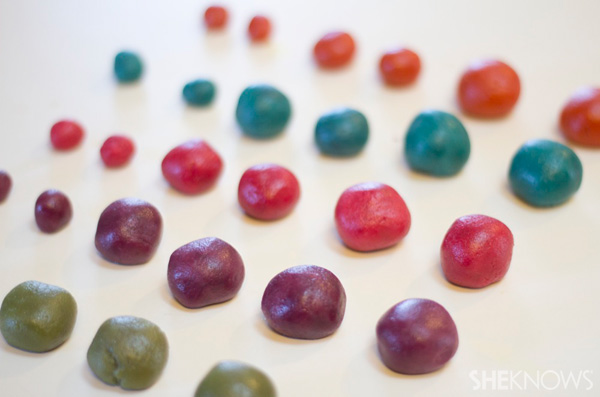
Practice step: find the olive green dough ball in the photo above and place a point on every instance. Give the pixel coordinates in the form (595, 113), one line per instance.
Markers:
(37, 317)
(128, 351)
(235, 379)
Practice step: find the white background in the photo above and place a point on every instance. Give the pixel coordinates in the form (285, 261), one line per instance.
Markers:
(56, 62)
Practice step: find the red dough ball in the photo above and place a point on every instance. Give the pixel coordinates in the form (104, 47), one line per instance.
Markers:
(215, 17)
(192, 167)
(5, 185)
(580, 118)
(476, 251)
(334, 50)
(53, 211)
(488, 88)
(268, 192)
(371, 216)
(304, 302)
(399, 67)
(259, 28)
(66, 135)
(205, 272)
(116, 150)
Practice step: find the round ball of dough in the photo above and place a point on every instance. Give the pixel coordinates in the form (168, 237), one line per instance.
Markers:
(37, 317)
(128, 351)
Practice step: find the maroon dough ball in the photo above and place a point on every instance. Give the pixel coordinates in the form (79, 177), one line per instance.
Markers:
(129, 231)
(476, 251)
(205, 272)
(52, 211)
(416, 336)
(304, 302)
(5, 185)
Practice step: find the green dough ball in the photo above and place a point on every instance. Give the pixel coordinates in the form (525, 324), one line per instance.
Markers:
(37, 317)
(235, 379)
(128, 351)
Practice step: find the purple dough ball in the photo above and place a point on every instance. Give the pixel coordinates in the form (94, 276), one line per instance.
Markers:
(205, 272)
(416, 336)
(129, 231)
(5, 185)
(52, 211)
(304, 302)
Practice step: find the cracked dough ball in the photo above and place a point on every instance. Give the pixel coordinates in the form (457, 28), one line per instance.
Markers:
(128, 351)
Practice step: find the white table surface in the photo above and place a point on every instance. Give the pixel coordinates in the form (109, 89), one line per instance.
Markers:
(56, 62)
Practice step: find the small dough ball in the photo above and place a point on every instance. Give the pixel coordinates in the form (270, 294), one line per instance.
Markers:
(37, 317)
(129, 231)
(205, 272)
(263, 111)
(235, 379)
(416, 336)
(304, 302)
(342, 132)
(128, 351)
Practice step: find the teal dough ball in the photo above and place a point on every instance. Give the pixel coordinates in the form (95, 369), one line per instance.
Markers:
(437, 144)
(342, 132)
(262, 111)
(128, 67)
(544, 173)
(199, 92)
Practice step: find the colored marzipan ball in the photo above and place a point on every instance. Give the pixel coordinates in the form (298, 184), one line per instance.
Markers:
(128, 67)
(53, 211)
(129, 352)
(544, 173)
(116, 151)
(259, 28)
(334, 50)
(416, 336)
(192, 167)
(437, 144)
(262, 111)
(129, 231)
(342, 132)
(476, 251)
(488, 88)
(199, 92)
(5, 185)
(66, 135)
(205, 272)
(37, 317)
(580, 117)
(304, 302)
(371, 216)
(215, 17)
(235, 379)
(268, 191)
(399, 67)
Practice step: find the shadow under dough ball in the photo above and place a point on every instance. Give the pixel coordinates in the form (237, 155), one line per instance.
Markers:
(128, 351)
(129, 231)
(37, 317)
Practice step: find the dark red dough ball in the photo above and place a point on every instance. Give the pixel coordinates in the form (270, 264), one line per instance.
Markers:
(66, 135)
(399, 67)
(476, 251)
(304, 302)
(116, 151)
(580, 117)
(192, 167)
(334, 50)
(215, 17)
(5, 185)
(52, 211)
(129, 231)
(416, 336)
(488, 88)
(205, 272)
(259, 28)
(371, 216)
(268, 191)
